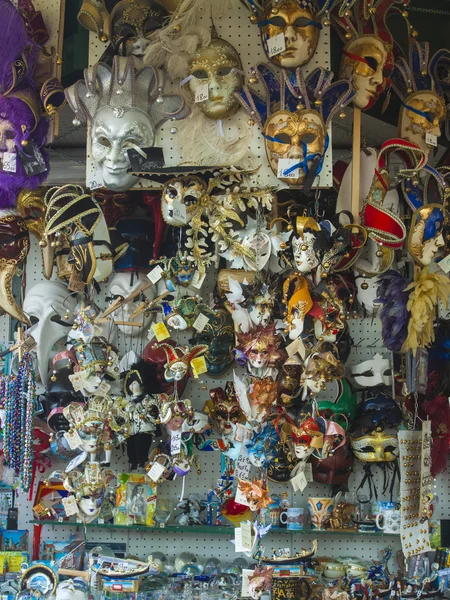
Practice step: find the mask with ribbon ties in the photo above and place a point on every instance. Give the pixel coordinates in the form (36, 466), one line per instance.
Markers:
(124, 107)
(367, 56)
(421, 96)
(294, 116)
(376, 446)
(299, 22)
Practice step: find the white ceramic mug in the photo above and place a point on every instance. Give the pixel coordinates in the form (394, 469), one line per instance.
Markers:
(292, 518)
(391, 521)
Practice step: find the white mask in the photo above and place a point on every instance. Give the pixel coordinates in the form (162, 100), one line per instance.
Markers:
(371, 373)
(121, 286)
(305, 259)
(302, 451)
(88, 508)
(45, 302)
(113, 132)
(318, 332)
(366, 293)
(261, 245)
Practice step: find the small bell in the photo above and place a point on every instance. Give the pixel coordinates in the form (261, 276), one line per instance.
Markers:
(67, 315)
(348, 36)
(104, 38)
(364, 285)
(42, 244)
(252, 79)
(327, 22)
(253, 19)
(53, 377)
(76, 122)
(342, 115)
(251, 122)
(379, 253)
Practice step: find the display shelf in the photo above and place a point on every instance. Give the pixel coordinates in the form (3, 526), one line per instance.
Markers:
(211, 529)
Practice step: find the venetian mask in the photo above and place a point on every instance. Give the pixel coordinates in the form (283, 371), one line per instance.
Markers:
(305, 257)
(376, 446)
(255, 492)
(219, 66)
(218, 335)
(187, 191)
(226, 408)
(156, 356)
(335, 469)
(378, 411)
(298, 302)
(115, 205)
(46, 304)
(133, 22)
(422, 113)
(260, 351)
(259, 582)
(374, 372)
(289, 386)
(426, 233)
(122, 285)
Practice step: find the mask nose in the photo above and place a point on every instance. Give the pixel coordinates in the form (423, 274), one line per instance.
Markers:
(295, 152)
(290, 35)
(213, 85)
(116, 155)
(440, 241)
(140, 46)
(377, 77)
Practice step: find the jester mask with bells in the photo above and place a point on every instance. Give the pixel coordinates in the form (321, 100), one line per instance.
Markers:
(124, 107)
(422, 109)
(219, 66)
(298, 21)
(294, 116)
(367, 56)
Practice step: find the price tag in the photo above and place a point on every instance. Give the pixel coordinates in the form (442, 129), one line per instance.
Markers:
(243, 465)
(245, 591)
(276, 45)
(70, 506)
(202, 92)
(73, 439)
(155, 275)
(103, 389)
(238, 547)
(284, 164)
(299, 482)
(240, 498)
(199, 365)
(308, 472)
(160, 331)
(243, 433)
(100, 521)
(200, 322)
(431, 139)
(175, 442)
(178, 211)
(9, 160)
(246, 535)
(445, 264)
(197, 281)
(156, 471)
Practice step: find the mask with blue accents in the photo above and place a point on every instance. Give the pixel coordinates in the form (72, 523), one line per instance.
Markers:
(294, 117)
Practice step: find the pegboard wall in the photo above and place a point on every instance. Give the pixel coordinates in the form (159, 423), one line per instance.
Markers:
(235, 27)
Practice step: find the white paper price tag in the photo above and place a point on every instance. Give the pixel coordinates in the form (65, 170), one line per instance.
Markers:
(238, 547)
(200, 322)
(156, 471)
(245, 591)
(73, 439)
(445, 264)
(9, 161)
(155, 275)
(178, 211)
(240, 498)
(175, 442)
(197, 281)
(299, 482)
(308, 473)
(202, 92)
(246, 535)
(431, 139)
(243, 465)
(276, 45)
(102, 389)
(284, 164)
(70, 506)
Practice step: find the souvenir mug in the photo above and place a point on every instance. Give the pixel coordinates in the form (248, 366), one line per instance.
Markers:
(292, 518)
(319, 508)
(391, 521)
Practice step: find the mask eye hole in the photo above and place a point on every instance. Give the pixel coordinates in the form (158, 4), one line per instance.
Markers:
(126, 32)
(103, 141)
(150, 26)
(372, 62)
(387, 372)
(9, 135)
(278, 21)
(367, 449)
(200, 74)
(33, 320)
(302, 22)
(309, 138)
(172, 192)
(368, 373)
(224, 71)
(284, 138)
(131, 142)
(391, 449)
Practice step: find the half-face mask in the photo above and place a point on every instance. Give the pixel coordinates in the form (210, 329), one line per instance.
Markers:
(423, 107)
(367, 58)
(343, 408)
(181, 313)
(227, 411)
(298, 21)
(14, 250)
(261, 449)
(115, 205)
(47, 303)
(260, 351)
(132, 23)
(294, 117)
(333, 300)
(374, 372)
(376, 446)
(377, 412)
(334, 470)
(124, 107)
(219, 66)
(122, 285)
(218, 336)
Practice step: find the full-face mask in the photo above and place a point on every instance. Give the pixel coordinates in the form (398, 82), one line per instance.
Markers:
(226, 409)
(367, 57)
(122, 285)
(335, 469)
(47, 303)
(374, 372)
(422, 99)
(218, 335)
(298, 21)
(89, 487)
(156, 356)
(377, 412)
(219, 66)
(426, 233)
(132, 24)
(260, 351)
(376, 446)
(294, 118)
(124, 107)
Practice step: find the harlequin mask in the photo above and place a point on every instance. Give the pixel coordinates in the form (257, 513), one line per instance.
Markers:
(294, 119)
(179, 359)
(133, 22)
(120, 105)
(377, 446)
(373, 372)
(157, 356)
(218, 336)
(335, 469)
(226, 408)
(378, 411)
(218, 65)
(426, 233)
(422, 99)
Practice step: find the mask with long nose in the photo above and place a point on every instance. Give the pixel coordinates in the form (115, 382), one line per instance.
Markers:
(122, 285)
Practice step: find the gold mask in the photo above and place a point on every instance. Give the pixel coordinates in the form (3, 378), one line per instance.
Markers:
(377, 446)
(220, 67)
(414, 127)
(300, 28)
(133, 22)
(293, 133)
(183, 190)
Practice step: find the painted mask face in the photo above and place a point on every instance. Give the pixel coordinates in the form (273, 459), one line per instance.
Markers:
(261, 311)
(226, 408)
(305, 257)
(299, 27)
(121, 286)
(258, 356)
(300, 135)
(218, 335)
(7, 136)
(90, 436)
(375, 447)
(413, 126)
(113, 132)
(157, 357)
(367, 63)
(220, 67)
(334, 470)
(184, 190)
(90, 505)
(371, 373)
(426, 238)
(133, 22)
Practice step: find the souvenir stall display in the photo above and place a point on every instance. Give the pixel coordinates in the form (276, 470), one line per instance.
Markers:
(230, 330)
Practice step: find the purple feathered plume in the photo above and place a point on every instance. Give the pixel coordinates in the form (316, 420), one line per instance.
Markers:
(393, 314)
